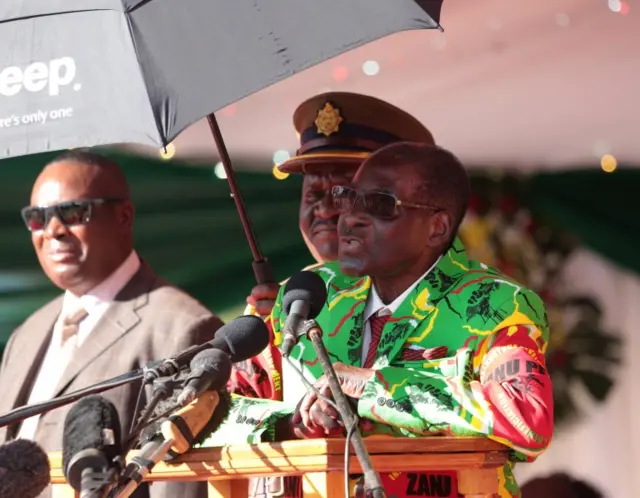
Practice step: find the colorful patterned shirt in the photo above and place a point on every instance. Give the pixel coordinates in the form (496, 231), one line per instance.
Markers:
(463, 355)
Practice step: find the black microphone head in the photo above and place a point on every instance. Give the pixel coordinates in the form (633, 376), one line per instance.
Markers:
(92, 426)
(214, 366)
(244, 337)
(24, 469)
(305, 286)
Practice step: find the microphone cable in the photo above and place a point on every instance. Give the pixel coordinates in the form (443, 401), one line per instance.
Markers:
(350, 430)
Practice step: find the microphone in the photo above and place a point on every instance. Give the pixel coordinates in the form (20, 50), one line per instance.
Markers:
(24, 469)
(304, 297)
(174, 436)
(91, 447)
(242, 338)
(210, 370)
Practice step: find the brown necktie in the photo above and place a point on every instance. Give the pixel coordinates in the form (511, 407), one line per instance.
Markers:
(376, 324)
(70, 324)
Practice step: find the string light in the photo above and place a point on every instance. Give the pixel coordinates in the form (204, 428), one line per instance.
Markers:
(601, 147)
(615, 5)
(280, 156)
(230, 110)
(624, 8)
(219, 171)
(619, 6)
(340, 73)
(371, 68)
(608, 163)
(562, 20)
(280, 175)
(168, 152)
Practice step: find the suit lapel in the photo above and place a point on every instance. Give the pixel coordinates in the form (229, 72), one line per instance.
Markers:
(415, 317)
(118, 320)
(26, 360)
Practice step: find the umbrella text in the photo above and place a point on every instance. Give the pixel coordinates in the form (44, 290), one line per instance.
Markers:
(38, 76)
(39, 117)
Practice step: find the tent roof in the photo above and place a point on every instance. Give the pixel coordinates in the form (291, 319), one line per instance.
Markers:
(531, 84)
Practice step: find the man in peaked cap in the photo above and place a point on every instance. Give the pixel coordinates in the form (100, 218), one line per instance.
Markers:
(337, 130)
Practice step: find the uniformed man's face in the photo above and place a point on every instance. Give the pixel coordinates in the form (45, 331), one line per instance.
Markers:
(318, 217)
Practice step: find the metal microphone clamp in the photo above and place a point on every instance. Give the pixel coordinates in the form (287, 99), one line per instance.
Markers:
(165, 368)
(301, 331)
(162, 389)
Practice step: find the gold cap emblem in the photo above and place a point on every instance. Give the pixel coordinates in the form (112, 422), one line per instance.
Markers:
(328, 120)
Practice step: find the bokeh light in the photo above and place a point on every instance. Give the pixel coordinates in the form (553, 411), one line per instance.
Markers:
(280, 156)
(371, 68)
(601, 147)
(615, 5)
(608, 163)
(219, 171)
(563, 20)
(340, 73)
(168, 152)
(624, 8)
(230, 110)
(280, 175)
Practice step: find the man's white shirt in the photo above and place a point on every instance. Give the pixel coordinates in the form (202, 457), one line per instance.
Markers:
(95, 302)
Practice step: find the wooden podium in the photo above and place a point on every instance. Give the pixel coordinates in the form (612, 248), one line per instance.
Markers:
(321, 462)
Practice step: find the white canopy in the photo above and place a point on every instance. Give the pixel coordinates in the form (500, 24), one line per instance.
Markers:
(508, 83)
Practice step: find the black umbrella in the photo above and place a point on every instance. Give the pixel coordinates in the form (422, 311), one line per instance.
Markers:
(80, 73)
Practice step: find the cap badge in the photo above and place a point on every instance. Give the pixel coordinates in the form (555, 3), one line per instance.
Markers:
(328, 119)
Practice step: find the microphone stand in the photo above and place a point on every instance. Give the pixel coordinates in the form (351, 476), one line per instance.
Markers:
(148, 374)
(24, 412)
(372, 483)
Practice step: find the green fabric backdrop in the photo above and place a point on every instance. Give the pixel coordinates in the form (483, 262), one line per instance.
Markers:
(187, 228)
(602, 209)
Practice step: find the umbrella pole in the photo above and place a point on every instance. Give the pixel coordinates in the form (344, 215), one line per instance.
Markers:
(261, 267)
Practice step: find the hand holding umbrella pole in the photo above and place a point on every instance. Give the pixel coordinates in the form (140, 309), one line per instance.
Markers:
(261, 267)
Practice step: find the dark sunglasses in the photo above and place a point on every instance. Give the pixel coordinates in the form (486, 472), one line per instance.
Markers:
(69, 213)
(379, 204)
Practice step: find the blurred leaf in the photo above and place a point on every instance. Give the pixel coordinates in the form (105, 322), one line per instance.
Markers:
(599, 385)
(564, 408)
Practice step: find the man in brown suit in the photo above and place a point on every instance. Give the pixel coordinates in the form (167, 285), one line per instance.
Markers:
(115, 315)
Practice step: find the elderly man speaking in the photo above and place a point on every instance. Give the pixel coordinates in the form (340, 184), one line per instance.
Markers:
(424, 340)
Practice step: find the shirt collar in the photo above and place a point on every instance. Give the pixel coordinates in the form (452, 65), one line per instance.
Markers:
(375, 304)
(108, 289)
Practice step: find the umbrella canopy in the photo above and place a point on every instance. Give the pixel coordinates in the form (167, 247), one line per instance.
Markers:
(77, 73)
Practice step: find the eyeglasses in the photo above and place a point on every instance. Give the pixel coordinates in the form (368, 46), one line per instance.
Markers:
(379, 204)
(69, 213)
